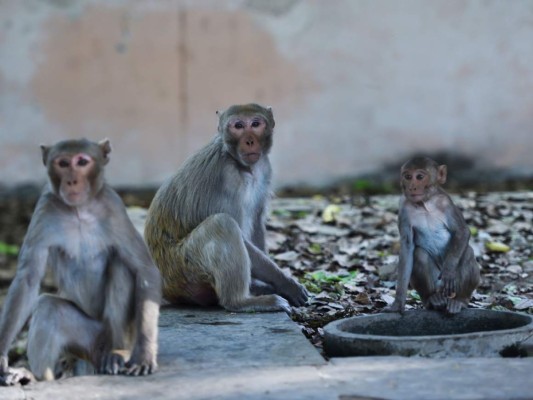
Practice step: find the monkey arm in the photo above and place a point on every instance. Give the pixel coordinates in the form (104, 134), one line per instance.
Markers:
(147, 298)
(405, 264)
(266, 270)
(263, 267)
(21, 297)
(259, 232)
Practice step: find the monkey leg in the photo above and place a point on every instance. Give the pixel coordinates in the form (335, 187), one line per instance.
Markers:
(468, 278)
(214, 253)
(58, 326)
(424, 279)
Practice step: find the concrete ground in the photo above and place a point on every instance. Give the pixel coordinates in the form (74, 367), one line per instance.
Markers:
(213, 354)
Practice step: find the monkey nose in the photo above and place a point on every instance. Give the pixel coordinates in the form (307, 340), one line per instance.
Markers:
(72, 182)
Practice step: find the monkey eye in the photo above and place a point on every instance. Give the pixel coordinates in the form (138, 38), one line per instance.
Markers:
(82, 162)
(63, 163)
(239, 125)
(256, 123)
(420, 177)
(407, 176)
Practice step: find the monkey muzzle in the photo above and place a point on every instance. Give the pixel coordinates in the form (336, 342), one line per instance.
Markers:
(251, 158)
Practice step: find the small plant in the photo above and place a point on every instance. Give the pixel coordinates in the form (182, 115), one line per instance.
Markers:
(315, 280)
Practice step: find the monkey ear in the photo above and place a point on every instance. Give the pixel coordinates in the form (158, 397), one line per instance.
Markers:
(105, 146)
(442, 173)
(271, 115)
(219, 115)
(44, 151)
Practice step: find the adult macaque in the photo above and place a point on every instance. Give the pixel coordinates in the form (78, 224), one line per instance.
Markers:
(109, 290)
(206, 225)
(434, 255)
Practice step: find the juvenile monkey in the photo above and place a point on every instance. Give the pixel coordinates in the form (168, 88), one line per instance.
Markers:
(206, 225)
(108, 287)
(434, 255)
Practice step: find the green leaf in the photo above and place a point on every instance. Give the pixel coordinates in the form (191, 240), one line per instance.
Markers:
(497, 247)
(311, 286)
(510, 288)
(414, 294)
(315, 248)
(499, 308)
(350, 277)
(320, 276)
(301, 214)
(9, 249)
(516, 300)
(362, 185)
(281, 213)
(327, 277)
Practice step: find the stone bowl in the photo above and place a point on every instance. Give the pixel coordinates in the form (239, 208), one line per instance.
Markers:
(471, 333)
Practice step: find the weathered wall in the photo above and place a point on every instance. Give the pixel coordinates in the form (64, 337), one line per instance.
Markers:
(354, 84)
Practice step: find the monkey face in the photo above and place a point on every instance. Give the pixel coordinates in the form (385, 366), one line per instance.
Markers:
(72, 176)
(421, 177)
(249, 135)
(416, 184)
(247, 132)
(75, 168)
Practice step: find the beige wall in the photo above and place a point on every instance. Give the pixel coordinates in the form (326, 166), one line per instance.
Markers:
(354, 84)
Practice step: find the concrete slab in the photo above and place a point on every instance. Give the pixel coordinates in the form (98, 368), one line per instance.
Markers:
(200, 338)
(213, 354)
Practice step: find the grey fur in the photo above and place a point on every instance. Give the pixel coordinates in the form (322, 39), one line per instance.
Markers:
(206, 227)
(109, 289)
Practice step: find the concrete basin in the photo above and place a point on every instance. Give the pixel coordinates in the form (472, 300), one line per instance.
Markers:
(471, 333)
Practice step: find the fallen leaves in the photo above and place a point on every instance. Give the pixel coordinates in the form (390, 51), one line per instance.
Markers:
(345, 252)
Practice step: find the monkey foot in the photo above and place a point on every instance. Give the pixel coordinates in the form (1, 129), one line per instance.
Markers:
(396, 307)
(454, 306)
(437, 301)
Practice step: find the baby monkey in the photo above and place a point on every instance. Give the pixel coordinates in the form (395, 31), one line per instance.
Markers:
(434, 252)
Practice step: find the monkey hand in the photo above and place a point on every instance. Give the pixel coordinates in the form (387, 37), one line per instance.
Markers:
(395, 307)
(448, 283)
(294, 292)
(141, 363)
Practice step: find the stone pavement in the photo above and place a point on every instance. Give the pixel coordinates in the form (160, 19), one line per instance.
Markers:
(213, 354)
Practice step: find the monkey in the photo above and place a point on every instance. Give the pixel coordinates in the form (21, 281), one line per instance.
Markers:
(435, 255)
(205, 227)
(109, 289)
